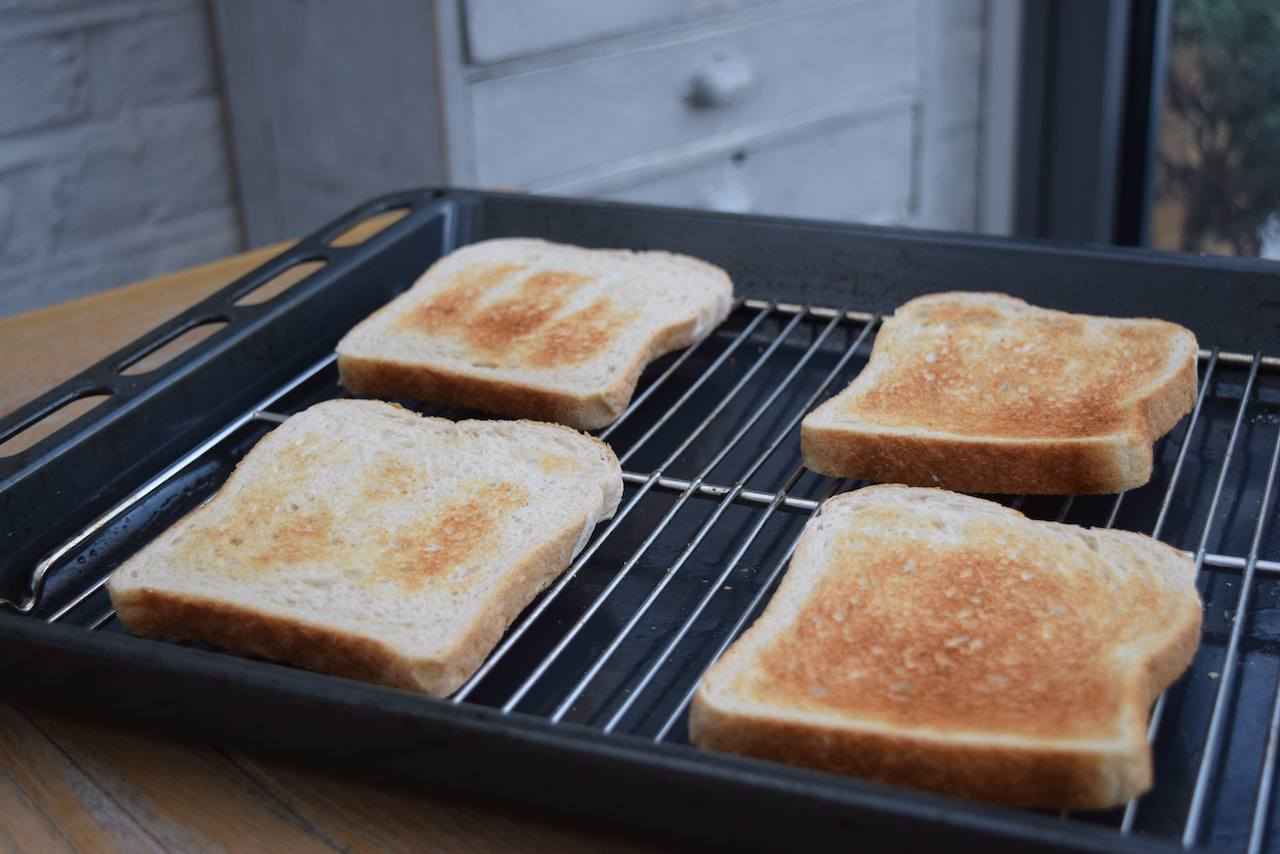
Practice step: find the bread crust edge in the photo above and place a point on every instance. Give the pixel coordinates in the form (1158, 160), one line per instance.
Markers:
(988, 465)
(1034, 775)
(382, 378)
(456, 386)
(325, 649)
(1071, 466)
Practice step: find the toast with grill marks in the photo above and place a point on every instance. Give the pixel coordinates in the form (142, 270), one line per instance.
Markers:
(944, 642)
(533, 329)
(982, 392)
(363, 540)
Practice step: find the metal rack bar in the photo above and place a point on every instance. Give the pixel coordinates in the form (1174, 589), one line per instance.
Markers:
(1115, 510)
(1265, 568)
(578, 625)
(1066, 508)
(760, 460)
(1157, 711)
(777, 500)
(748, 497)
(742, 621)
(1186, 444)
(813, 310)
(697, 384)
(715, 586)
(1213, 737)
(639, 400)
(1266, 776)
(102, 622)
(1243, 360)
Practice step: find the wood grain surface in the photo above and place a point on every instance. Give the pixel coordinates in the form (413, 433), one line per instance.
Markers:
(68, 784)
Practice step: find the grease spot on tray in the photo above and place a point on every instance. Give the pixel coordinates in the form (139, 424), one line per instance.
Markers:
(1267, 624)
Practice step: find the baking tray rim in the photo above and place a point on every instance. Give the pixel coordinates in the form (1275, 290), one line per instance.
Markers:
(64, 668)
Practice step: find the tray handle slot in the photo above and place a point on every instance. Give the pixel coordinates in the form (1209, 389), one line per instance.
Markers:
(169, 348)
(45, 423)
(280, 282)
(369, 226)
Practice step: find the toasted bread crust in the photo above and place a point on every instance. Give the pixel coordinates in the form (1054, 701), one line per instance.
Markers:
(532, 329)
(990, 465)
(1164, 407)
(943, 642)
(325, 649)
(1028, 775)
(949, 399)
(315, 647)
(454, 386)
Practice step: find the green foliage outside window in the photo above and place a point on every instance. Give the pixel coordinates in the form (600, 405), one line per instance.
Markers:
(1218, 172)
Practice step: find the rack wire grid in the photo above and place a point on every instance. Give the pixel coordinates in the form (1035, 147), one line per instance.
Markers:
(715, 495)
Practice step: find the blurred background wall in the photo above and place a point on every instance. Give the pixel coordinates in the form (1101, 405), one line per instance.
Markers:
(114, 162)
(142, 136)
(868, 110)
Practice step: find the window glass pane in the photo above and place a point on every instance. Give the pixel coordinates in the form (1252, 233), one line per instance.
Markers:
(1217, 186)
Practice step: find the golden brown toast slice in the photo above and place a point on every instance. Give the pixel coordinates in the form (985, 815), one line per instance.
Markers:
(533, 329)
(982, 392)
(363, 540)
(944, 642)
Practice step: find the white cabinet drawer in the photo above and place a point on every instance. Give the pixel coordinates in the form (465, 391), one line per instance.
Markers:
(863, 171)
(570, 118)
(499, 30)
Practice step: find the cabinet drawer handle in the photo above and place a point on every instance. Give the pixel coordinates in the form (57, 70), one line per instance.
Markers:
(721, 82)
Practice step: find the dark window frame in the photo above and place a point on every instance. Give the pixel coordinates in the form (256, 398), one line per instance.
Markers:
(1092, 75)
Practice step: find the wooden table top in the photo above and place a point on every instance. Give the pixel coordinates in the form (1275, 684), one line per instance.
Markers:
(69, 784)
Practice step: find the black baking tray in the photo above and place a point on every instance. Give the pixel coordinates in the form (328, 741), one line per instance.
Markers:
(61, 484)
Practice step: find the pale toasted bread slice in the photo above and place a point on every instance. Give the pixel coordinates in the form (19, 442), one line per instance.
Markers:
(944, 642)
(984, 393)
(363, 540)
(532, 329)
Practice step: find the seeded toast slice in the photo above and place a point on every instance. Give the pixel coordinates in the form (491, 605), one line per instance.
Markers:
(533, 329)
(981, 392)
(944, 642)
(363, 540)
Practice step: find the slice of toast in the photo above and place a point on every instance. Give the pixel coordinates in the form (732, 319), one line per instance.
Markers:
(944, 642)
(363, 540)
(982, 392)
(532, 329)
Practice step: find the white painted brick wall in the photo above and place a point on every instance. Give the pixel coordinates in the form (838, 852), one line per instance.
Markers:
(113, 157)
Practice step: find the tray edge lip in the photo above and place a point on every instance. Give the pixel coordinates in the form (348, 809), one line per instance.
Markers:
(703, 768)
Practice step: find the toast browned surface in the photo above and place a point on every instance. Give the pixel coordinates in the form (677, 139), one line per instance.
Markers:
(363, 540)
(533, 329)
(943, 642)
(982, 392)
